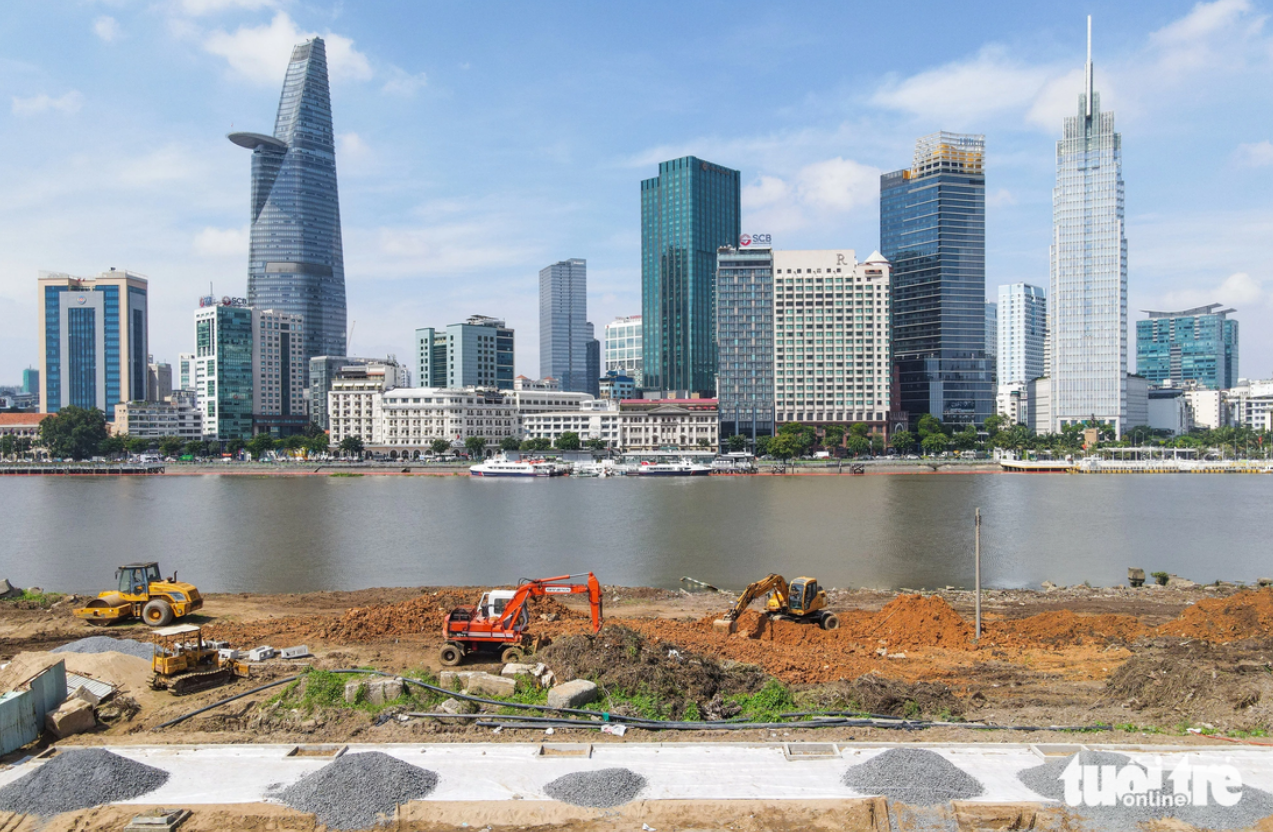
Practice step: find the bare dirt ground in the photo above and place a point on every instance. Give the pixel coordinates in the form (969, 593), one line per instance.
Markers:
(1151, 662)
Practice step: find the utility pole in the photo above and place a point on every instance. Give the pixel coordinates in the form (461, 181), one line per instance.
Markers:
(977, 537)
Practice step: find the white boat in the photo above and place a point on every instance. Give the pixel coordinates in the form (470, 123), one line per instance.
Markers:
(502, 466)
(667, 464)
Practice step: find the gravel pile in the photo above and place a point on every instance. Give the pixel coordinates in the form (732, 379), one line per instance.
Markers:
(79, 779)
(106, 644)
(603, 789)
(1045, 780)
(353, 790)
(913, 776)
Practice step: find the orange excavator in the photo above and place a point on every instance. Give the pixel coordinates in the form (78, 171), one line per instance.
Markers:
(499, 621)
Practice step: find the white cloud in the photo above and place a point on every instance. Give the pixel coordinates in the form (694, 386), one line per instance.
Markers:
(352, 147)
(1257, 154)
(838, 184)
(1000, 198)
(1239, 289)
(261, 53)
(222, 242)
(832, 186)
(107, 28)
(43, 103)
(403, 83)
(202, 7)
(1203, 20)
(966, 91)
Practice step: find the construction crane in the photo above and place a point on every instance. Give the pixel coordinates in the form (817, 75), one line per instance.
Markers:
(802, 601)
(499, 621)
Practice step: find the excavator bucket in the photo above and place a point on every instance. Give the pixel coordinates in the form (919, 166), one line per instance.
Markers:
(725, 625)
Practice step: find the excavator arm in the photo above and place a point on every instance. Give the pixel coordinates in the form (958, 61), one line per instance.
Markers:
(560, 585)
(772, 583)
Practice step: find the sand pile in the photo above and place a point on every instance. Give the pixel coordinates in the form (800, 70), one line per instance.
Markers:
(424, 614)
(1243, 615)
(1064, 627)
(920, 621)
(127, 672)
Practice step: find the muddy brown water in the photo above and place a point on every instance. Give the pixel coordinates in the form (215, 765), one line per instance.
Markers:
(302, 534)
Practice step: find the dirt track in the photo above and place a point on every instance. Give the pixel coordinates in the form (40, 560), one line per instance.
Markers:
(1155, 659)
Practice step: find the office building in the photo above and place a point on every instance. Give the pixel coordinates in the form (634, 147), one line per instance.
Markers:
(159, 381)
(1087, 301)
(185, 371)
(615, 387)
(94, 340)
(295, 261)
(563, 325)
(180, 418)
(674, 424)
(992, 337)
(933, 233)
(688, 211)
(832, 338)
(31, 381)
(1023, 326)
(325, 369)
(593, 387)
(623, 347)
(430, 357)
(279, 373)
(224, 377)
(479, 353)
(745, 341)
(352, 391)
(1198, 345)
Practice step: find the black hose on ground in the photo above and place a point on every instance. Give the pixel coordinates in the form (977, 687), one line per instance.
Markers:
(226, 701)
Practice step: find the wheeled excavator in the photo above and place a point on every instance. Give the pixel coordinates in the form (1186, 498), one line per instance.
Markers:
(802, 601)
(499, 622)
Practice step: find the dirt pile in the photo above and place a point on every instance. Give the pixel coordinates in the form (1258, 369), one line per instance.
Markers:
(1240, 616)
(1220, 684)
(126, 672)
(1064, 627)
(621, 660)
(424, 614)
(918, 621)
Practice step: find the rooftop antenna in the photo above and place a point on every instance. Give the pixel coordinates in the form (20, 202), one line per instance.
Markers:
(1089, 66)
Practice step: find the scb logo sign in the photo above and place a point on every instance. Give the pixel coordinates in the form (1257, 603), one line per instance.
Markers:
(747, 240)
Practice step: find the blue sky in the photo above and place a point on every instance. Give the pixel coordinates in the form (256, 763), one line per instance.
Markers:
(479, 142)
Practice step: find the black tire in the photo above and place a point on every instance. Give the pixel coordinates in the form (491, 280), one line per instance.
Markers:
(450, 655)
(157, 613)
(512, 655)
(830, 621)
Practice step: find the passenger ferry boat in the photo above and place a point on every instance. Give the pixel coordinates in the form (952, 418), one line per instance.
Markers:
(668, 464)
(502, 466)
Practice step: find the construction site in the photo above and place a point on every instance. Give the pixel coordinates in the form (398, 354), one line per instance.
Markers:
(1163, 669)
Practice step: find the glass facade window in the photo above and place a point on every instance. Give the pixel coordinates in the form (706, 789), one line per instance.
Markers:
(563, 325)
(688, 211)
(296, 260)
(623, 348)
(1022, 333)
(933, 232)
(745, 342)
(81, 356)
(1198, 346)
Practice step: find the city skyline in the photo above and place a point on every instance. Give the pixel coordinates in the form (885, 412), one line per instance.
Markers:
(803, 170)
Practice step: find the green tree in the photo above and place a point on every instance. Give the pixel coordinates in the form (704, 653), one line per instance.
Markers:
(903, 441)
(138, 445)
(858, 445)
(312, 430)
(73, 432)
(233, 446)
(319, 445)
(476, 446)
(833, 436)
(23, 446)
(803, 437)
(994, 424)
(7, 446)
(439, 446)
(195, 448)
(859, 429)
(568, 441)
(928, 423)
(351, 446)
(877, 444)
(260, 445)
(736, 443)
(762, 445)
(595, 444)
(966, 439)
(509, 443)
(786, 445)
(295, 442)
(113, 446)
(935, 443)
(170, 445)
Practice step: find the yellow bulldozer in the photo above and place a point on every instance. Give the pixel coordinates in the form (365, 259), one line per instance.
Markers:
(142, 593)
(802, 601)
(185, 663)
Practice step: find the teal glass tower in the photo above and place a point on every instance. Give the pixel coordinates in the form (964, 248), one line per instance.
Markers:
(1197, 345)
(295, 261)
(688, 211)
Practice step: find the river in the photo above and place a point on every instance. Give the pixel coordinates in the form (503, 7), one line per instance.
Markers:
(301, 534)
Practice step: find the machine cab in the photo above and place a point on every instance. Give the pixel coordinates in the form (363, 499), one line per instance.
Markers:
(802, 595)
(492, 604)
(135, 578)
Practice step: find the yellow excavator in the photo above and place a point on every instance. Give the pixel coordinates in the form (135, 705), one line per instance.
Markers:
(802, 601)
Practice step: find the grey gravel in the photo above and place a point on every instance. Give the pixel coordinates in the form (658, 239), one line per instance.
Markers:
(1045, 781)
(106, 644)
(601, 789)
(914, 776)
(79, 779)
(352, 791)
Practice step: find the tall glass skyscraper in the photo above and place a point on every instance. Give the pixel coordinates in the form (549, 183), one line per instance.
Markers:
(1198, 345)
(688, 211)
(1087, 303)
(1023, 324)
(933, 232)
(745, 341)
(295, 262)
(563, 325)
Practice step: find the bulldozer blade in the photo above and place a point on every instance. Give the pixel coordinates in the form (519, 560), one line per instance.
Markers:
(725, 625)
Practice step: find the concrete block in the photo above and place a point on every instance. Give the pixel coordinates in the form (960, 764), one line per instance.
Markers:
(86, 695)
(74, 717)
(352, 689)
(457, 706)
(485, 683)
(573, 694)
(380, 691)
(448, 678)
(519, 670)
